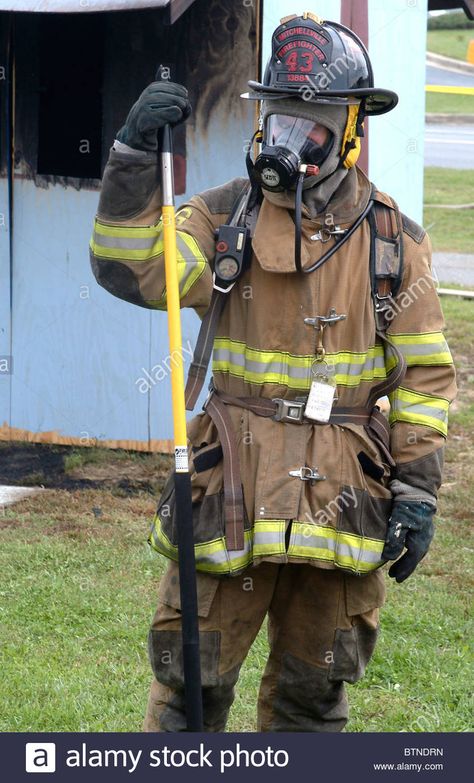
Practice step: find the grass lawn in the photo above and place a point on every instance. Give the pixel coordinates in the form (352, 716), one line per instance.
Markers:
(451, 43)
(443, 103)
(78, 589)
(450, 229)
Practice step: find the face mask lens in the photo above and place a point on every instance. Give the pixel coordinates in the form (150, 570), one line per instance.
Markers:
(281, 124)
(309, 140)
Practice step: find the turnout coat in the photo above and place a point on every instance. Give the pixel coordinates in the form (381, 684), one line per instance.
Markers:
(264, 348)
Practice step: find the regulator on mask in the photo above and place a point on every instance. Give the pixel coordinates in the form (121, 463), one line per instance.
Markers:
(292, 147)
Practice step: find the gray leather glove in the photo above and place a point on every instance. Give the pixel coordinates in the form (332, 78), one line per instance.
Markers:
(411, 526)
(160, 103)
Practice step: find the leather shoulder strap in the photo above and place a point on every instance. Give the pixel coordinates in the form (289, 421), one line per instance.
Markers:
(386, 272)
(386, 255)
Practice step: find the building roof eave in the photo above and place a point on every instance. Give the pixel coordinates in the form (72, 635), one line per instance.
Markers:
(175, 7)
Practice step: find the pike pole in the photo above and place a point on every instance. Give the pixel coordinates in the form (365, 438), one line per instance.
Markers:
(182, 478)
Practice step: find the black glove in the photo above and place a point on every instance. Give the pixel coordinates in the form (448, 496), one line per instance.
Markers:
(411, 526)
(161, 103)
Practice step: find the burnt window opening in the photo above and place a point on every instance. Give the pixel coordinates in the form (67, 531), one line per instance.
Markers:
(70, 99)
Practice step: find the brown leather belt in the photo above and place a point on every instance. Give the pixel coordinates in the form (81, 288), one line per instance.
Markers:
(286, 411)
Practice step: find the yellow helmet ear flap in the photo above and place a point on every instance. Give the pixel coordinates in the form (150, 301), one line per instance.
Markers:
(350, 147)
(353, 155)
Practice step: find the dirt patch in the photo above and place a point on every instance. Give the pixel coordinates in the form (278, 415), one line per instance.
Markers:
(63, 467)
(29, 463)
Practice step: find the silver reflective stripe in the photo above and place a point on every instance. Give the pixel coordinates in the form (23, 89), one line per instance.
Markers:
(422, 410)
(391, 349)
(280, 368)
(356, 553)
(263, 537)
(192, 266)
(222, 555)
(273, 368)
(352, 368)
(124, 243)
(260, 368)
(224, 355)
(183, 248)
(218, 557)
(423, 349)
(213, 556)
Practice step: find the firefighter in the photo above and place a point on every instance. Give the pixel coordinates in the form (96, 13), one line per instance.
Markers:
(317, 300)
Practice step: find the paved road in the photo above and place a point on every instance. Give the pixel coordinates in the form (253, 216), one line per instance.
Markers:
(437, 75)
(454, 268)
(449, 146)
(9, 495)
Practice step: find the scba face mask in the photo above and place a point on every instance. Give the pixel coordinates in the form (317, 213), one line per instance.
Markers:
(291, 145)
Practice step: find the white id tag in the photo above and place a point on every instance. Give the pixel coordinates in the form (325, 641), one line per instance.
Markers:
(320, 401)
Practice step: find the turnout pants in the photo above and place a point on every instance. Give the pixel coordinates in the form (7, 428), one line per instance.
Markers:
(322, 629)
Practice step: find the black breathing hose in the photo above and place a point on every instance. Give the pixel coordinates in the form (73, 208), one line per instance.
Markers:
(338, 244)
(298, 209)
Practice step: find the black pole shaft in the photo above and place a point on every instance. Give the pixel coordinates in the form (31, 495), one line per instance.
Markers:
(165, 139)
(189, 605)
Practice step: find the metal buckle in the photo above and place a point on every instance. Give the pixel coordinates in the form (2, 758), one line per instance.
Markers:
(306, 473)
(381, 298)
(289, 410)
(382, 305)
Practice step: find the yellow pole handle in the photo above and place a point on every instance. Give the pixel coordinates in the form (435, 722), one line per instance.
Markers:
(173, 304)
(174, 326)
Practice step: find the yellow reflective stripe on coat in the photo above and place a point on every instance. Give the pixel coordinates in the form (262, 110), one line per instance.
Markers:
(138, 244)
(211, 556)
(258, 366)
(348, 551)
(126, 243)
(190, 269)
(269, 537)
(429, 348)
(415, 408)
